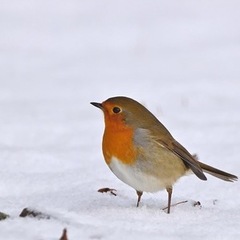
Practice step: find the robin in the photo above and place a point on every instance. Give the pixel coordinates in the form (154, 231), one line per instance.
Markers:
(142, 153)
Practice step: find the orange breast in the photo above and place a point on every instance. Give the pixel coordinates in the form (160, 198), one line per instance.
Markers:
(118, 142)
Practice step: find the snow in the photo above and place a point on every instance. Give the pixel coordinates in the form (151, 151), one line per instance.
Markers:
(179, 58)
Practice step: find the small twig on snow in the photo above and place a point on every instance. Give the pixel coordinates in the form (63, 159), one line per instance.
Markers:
(173, 205)
(105, 190)
(64, 235)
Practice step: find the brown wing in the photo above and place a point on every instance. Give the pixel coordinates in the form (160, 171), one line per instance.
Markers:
(187, 158)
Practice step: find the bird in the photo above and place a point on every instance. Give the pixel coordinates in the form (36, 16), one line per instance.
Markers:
(142, 153)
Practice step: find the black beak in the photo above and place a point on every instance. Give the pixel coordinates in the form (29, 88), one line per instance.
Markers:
(95, 104)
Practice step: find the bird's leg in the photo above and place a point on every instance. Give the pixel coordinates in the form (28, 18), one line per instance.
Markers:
(169, 190)
(139, 197)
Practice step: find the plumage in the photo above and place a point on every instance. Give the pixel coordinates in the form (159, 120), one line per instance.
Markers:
(142, 153)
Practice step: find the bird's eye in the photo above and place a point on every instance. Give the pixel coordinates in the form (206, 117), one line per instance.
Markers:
(116, 110)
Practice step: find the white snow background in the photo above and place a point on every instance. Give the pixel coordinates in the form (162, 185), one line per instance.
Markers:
(181, 59)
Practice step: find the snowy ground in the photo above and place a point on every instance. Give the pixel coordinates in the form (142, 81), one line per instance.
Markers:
(180, 58)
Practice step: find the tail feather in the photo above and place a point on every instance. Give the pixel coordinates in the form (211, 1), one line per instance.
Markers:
(218, 173)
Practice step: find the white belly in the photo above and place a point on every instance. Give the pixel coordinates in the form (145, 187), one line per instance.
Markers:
(135, 178)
